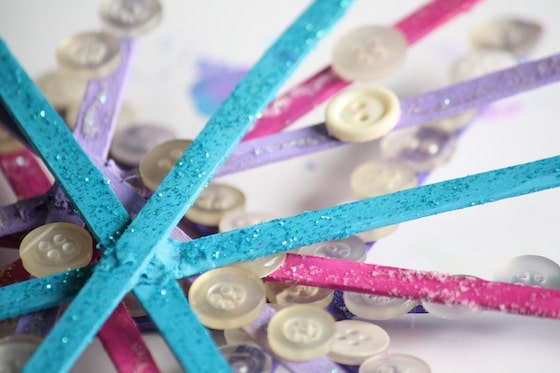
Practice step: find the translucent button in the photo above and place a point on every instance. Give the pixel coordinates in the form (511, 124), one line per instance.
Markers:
(455, 122)
(237, 337)
(55, 247)
(361, 114)
(515, 35)
(375, 178)
(15, 350)
(214, 203)
(451, 312)
(423, 147)
(128, 18)
(227, 298)
(125, 117)
(301, 332)
(394, 363)
(61, 90)
(351, 248)
(481, 62)
(8, 143)
(246, 359)
(369, 53)
(355, 341)
(156, 163)
(287, 294)
(132, 143)
(89, 55)
(531, 270)
(376, 307)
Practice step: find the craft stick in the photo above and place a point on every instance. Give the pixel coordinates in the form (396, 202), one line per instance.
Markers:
(13, 273)
(23, 215)
(21, 166)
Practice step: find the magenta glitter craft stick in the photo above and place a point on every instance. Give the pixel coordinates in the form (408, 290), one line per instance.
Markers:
(22, 166)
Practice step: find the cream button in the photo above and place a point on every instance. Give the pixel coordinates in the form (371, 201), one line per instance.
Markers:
(8, 143)
(361, 114)
(89, 55)
(369, 53)
(15, 350)
(214, 203)
(355, 341)
(246, 359)
(125, 117)
(61, 90)
(54, 248)
(515, 35)
(227, 298)
(481, 62)
(286, 294)
(376, 307)
(128, 18)
(375, 178)
(237, 336)
(158, 161)
(455, 122)
(301, 332)
(132, 143)
(531, 270)
(396, 363)
(351, 248)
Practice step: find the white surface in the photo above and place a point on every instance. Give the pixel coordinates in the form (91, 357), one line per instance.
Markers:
(474, 241)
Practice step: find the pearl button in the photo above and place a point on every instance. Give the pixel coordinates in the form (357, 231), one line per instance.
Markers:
(481, 62)
(62, 91)
(531, 270)
(355, 341)
(128, 18)
(132, 143)
(376, 307)
(214, 203)
(351, 248)
(158, 161)
(286, 294)
(375, 178)
(515, 35)
(246, 359)
(126, 116)
(455, 122)
(394, 363)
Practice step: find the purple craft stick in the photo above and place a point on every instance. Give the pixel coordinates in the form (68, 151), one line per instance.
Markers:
(23, 215)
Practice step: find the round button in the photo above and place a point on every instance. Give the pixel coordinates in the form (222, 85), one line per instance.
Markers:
(128, 18)
(375, 178)
(376, 307)
(301, 332)
(287, 294)
(89, 55)
(214, 202)
(368, 53)
(61, 90)
(8, 143)
(361, 114)
(394, 363)
(246, 359)
(15, 350)
(158, 161)
(227, 298)
(132, 143)
(481, 62)
(355, 341)
(515, 35)
(125, 117)
(455, 122)
(237, 336)
(450, 312)
(423, 147)
(531, 270)
(351, 248)
(55, 247)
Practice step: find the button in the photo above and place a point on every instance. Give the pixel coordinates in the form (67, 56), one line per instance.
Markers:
(481, 62)
(281, 293)
(361, 114)
(227, 298)
(351, 248)
(214, 203)
(301, 332)
(455, 122)
(375, 178)
(156, 163)
(126, 116)
(237, 336)
(355, 341)
(8, 143)
(246, 359)
(368, 53)
(61, 90)
(54, 248)
(515, 35)
(89, 55)
(15, 350)
(127, 18)
(450, 312)
(394, 363)
(377, 307)
(531, 270)
(132, 143)
(423, 147)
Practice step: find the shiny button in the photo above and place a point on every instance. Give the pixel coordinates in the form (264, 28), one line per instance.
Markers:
(351, 248)
(130, 18)
(301, 332)
(158, 161)
(125, 117)
(451, 312)
(89, 55)
(377, 307)
(214, 203)
(531, 270)
(361, 114)
(246, 359)
(8, 143)
(237, 336)
(423, 147)
(394, 363)
(515, 35)
(369, 53)
(55, 247)
(227, 298)
(281, 293)
(455, 122)
(355, 341)
(375, 178)
(61, 90)
(15, 350)
(481, 62)
(132, 143)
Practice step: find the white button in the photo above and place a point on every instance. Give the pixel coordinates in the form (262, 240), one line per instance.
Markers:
(246, 359)
(130, 18)
(351, 248)
(15, 350)
(227, 298)
(158, 161)
(214, 203)
(369, 53)
(355, 341)
(515, 35)
(376, 307)
(8, 143)
(451, 312)
(375, 178)
(301, 332)
(55, 247)
(455, 122)
(286, 294)
(126, 116)
(132, 143)
(423, 147)
(481, 62)
(89, 55)
(532, 270)
(361, 114)
(61, 90)
(394, 363)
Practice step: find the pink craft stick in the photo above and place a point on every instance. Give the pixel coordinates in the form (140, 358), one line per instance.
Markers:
(304, 97)
(13, 273)
(25, 174)
(430, 286)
